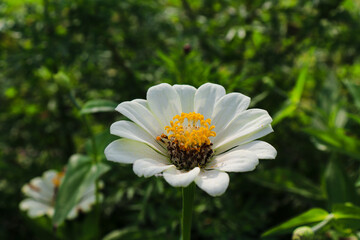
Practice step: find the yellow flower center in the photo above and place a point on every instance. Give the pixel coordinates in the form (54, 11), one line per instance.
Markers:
(188, 140)
(190, 130)
(57, 179)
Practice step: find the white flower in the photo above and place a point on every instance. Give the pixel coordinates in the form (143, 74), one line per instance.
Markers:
(41, 193)
(189, 134)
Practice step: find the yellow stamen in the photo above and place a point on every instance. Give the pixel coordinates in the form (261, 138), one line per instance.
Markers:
(190, 130)
(57, 179)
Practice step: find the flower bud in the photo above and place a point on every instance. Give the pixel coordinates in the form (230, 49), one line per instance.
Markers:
(187, 49)
(303, 233)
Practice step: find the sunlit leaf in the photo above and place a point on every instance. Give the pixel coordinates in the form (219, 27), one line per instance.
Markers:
(314, 215)
(296, 93)
(290, 106)
(346, 211)
(346, 217)
(98, 105)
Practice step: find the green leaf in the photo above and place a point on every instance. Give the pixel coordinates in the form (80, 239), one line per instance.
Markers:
(354, 117)
(80, 229)
(314, 215)
(340, 189)
(170, 63)
(287, 109)
(290, 106)
(287, 180)
(121, 234)
(295, 95)
(325, 137)
(98, 105)
(102, 140)
(354, 89)
(79, 176)
(337, 140)
(346, 211)
(134, 233)
(346, 217)
(62, 79)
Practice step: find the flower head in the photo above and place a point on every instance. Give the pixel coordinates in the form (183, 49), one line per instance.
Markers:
(42, 191)
(303, 233)
(187, 134)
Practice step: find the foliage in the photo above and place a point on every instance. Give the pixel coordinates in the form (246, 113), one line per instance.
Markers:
(65, 64)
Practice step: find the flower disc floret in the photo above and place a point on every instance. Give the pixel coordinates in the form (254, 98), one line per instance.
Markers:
(190, 130)
(188, 140)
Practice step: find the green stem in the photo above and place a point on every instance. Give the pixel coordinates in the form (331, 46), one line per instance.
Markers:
(85, 119)
(95, 159)
(188, 202)
(97, 182)
(92, 138)
(320, 225)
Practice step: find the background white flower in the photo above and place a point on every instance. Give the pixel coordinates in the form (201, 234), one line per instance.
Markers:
(152, 150)
(41, 193)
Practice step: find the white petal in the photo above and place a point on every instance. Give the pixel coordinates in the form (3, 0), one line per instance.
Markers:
(186, 94)
(142, 102)
(46, 190)
(73, 213)
(177, 178)
(242, 126)
(86, 203)
(245, 139)
(148, 167)
(261, 149)
(140, 115)
(35, 208)
(128, 151)
(206, 97)
(48, 177)
(132, 131)
(84, 206)
(44, 185)
(36, 190)
(227, 108)
(213, 182)
(234, 161)
(164, 102)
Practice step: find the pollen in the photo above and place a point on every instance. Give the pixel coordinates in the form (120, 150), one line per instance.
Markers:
(188, 140)
(190, 130)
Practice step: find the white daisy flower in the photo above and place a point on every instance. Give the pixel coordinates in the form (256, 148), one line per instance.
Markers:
(186, 134)
(41, 193)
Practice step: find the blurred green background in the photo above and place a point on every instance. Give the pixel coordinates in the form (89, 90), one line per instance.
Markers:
(297, 59)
